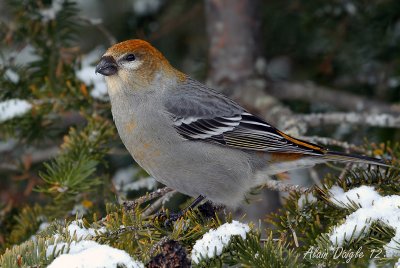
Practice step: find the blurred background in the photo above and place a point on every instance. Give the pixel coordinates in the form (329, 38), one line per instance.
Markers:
(326, 70)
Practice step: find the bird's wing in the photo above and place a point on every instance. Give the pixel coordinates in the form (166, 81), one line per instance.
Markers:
(200, 113)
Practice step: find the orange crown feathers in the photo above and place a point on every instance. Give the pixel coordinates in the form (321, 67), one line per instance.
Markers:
(148, 52)
(135, 45)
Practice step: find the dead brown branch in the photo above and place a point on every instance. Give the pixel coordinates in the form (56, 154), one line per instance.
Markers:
(310, 92)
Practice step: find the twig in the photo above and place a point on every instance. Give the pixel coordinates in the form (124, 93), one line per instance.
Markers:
(158, 244)
(314, 176)
(332, 142)
(311, 92)
(296, 241)
(285, 187)
(158, 203)
(131, 205)
(344, 171)
(124, 229)
(367, 119)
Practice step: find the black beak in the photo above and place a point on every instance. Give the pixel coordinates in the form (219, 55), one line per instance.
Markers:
(107, 66)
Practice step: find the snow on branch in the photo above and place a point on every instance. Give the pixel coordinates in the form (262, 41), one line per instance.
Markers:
(88, 75)
(368, 119)
(214, 241)
(85, 252)
(88, 253)
(372, 208)
(333, 142)
(12, 108)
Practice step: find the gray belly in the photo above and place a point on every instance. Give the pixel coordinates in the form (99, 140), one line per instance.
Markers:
(198, 168)
(221, 174)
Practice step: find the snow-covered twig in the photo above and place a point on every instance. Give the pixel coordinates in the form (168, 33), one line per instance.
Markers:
(333, 142)
(285, 187)
(87, 253)
(214, 241)
(367, 119)
(12, 108)
(372, 207)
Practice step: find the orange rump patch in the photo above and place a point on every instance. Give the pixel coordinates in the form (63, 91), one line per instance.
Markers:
(284, 157)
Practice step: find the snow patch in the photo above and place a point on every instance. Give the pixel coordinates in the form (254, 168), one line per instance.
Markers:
(25, 56)
(350, 8)
(13, 108)
(124, 176)
(87, 75)
(12, 76)
(304, 199)
(213, 242)
(393, 82)
(42, 227)
(148, 183)
(364, 196)
(373, 208)
(379, 119)
(79, 210)
(76, 228)
(124, 180)
(51, 12)
(90, 254)
(146, 7)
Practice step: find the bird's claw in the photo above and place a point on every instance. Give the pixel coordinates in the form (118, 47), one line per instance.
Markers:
(208, 209)
(168, 218)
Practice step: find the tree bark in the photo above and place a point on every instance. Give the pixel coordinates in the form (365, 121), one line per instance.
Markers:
(233, 28)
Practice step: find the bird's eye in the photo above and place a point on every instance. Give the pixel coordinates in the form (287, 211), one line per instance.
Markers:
(130, 57)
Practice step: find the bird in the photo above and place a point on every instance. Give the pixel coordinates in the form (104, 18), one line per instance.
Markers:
(191, 137)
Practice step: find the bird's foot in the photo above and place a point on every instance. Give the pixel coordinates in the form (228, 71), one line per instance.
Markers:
(208, 209)
(168, 218)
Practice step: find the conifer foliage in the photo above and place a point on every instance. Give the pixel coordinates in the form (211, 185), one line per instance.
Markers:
(65, 201)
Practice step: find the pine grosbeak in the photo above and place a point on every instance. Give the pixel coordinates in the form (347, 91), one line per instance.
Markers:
(192, 138)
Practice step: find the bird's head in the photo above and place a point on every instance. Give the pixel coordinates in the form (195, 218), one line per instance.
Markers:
(135, 64)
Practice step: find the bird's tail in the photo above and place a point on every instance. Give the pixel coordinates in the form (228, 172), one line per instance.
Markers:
(343, 157)
(306, 162)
